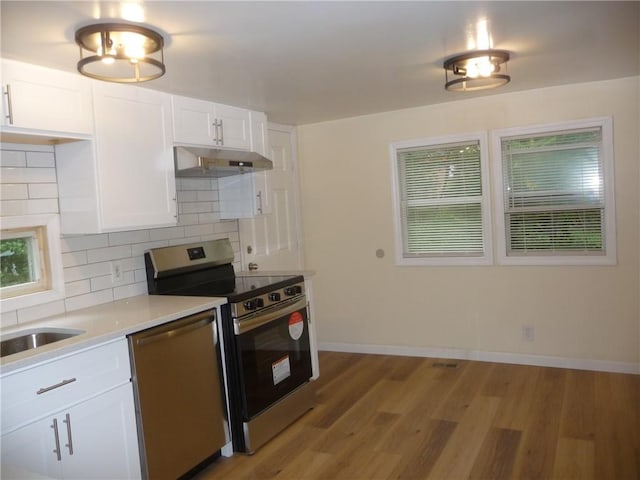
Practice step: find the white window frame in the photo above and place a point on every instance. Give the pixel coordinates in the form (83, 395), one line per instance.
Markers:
(487, 257)
(51, 264)
(609, 229)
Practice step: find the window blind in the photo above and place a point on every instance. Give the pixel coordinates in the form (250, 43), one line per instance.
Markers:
(554, 192)
(441, 200)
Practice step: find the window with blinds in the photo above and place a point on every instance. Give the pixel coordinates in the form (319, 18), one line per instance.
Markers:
(441, 199)
(554, 197)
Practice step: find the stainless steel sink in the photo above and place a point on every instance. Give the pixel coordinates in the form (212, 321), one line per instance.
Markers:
(34, 338)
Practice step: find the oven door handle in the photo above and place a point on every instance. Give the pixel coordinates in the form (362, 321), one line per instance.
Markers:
(241, 326)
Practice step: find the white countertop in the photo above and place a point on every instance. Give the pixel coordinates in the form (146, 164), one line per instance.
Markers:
(103, 323)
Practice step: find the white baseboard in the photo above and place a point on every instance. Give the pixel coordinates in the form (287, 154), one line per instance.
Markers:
(498, 357)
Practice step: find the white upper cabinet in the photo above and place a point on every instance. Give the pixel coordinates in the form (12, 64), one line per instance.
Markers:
(49, 101)
(198, 122)
(248, 195)
(124, 179)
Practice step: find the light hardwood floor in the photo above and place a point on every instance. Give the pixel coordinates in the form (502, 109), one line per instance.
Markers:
(387, 417)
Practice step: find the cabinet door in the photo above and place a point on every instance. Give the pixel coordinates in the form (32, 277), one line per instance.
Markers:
(30, 451)
(193, 121)
(135, 170)
(233, 127)
(103, 438)
(248, 195)
(43, 99)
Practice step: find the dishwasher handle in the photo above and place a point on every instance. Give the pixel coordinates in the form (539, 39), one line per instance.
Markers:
(175, 328)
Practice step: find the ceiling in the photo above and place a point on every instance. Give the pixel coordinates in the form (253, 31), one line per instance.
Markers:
(311, 61)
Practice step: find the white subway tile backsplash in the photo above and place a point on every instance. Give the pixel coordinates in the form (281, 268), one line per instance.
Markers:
(197, 207)
(194, 230)
(131, 290)
(226, 226)
(207, 195)
(127, 238)
(84, 242)
(132, 263)
(212, 217)
(12, 159)
(41, 159)
(167, 233)
(138, 249)
(89, 271)
(29, 185)
(187, 219)
(101, 283)
(109, 253)
(14, 191)
(10, 208)
(8, 319)
(43, 190)
(198, 184)
(89, 300)
(73, 259)
(37, 312)
(187, 196)
(140, 275)
(80, 287)
(28, 175)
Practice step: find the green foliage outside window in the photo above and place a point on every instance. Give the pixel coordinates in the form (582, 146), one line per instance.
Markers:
(15, 265)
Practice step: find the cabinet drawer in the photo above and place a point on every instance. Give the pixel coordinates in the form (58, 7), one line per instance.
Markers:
(52, 386)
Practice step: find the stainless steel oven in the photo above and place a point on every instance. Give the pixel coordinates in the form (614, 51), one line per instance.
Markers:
(269, 363)
(266, 327)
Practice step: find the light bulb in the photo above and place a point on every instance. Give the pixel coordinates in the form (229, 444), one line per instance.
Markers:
(472, 70)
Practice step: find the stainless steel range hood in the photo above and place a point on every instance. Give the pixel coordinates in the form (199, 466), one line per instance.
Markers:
(211, 162)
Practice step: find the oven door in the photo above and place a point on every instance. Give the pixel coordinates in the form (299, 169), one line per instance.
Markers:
(274, 355)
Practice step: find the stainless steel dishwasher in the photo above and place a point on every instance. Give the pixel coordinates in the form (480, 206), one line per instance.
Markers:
(180, 408)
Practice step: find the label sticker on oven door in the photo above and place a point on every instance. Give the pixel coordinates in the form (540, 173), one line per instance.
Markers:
(281, 370)
(296, 325)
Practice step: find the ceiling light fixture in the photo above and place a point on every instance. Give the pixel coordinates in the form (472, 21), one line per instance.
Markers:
(120, 52)
(476, 70)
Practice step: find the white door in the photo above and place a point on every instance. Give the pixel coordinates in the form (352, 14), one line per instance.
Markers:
(272, 241)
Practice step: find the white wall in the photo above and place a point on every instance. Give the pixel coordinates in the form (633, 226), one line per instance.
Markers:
(583, 316)
(28, 182)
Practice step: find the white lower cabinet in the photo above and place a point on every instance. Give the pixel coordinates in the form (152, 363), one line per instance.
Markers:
(94, 439)
(71, 417)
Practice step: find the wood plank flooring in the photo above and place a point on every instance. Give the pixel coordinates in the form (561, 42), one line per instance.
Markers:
(388, 417)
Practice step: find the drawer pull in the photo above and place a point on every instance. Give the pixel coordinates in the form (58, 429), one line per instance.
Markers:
(57, 385)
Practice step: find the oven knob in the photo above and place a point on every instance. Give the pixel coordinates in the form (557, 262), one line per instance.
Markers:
(274, 297)
(259, 302)
(250, 305)
(291, 291)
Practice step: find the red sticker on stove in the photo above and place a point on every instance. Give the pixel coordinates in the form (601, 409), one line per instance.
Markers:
(296, 325)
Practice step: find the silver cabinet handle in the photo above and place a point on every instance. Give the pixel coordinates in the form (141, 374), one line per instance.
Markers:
(259, 195)
(69, 445)
(252, 266)
(57, 385)
(221, 132)
(9, 106)
(217, 132)
(54, 425)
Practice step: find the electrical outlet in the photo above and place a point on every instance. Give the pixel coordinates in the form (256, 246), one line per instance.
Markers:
(528, 333)
(116, 271)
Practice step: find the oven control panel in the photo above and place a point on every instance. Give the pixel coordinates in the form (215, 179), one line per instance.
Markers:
(266, 300)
